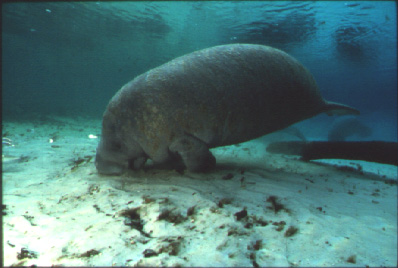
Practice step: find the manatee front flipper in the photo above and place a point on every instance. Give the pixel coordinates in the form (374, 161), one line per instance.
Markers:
(137, 163)
(194, 153)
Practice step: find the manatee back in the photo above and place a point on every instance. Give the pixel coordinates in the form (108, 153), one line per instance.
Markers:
(221, 95)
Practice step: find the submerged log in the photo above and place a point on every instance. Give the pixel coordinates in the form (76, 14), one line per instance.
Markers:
(374, 151)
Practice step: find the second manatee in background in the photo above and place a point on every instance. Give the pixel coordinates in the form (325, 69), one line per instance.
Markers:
(348, 127)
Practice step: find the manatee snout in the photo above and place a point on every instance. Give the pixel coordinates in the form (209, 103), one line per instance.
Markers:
(110, 162)
(108, 167)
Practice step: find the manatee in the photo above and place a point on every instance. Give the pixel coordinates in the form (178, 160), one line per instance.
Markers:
(223, 95)
(348, 127)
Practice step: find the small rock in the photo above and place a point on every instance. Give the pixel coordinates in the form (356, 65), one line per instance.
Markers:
(241, 214)
(149, 253)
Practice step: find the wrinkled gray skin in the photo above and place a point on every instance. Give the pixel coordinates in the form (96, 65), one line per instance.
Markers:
(213, 97)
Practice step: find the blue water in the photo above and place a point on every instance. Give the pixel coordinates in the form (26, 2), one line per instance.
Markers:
(70, 58)
(63, 61)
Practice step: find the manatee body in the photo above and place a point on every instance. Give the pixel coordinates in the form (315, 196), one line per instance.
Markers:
(213, 97)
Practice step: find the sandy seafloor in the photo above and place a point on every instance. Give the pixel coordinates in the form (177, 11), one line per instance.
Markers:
(59, 211)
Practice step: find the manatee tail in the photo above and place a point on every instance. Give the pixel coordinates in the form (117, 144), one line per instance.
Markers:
(334, 108)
